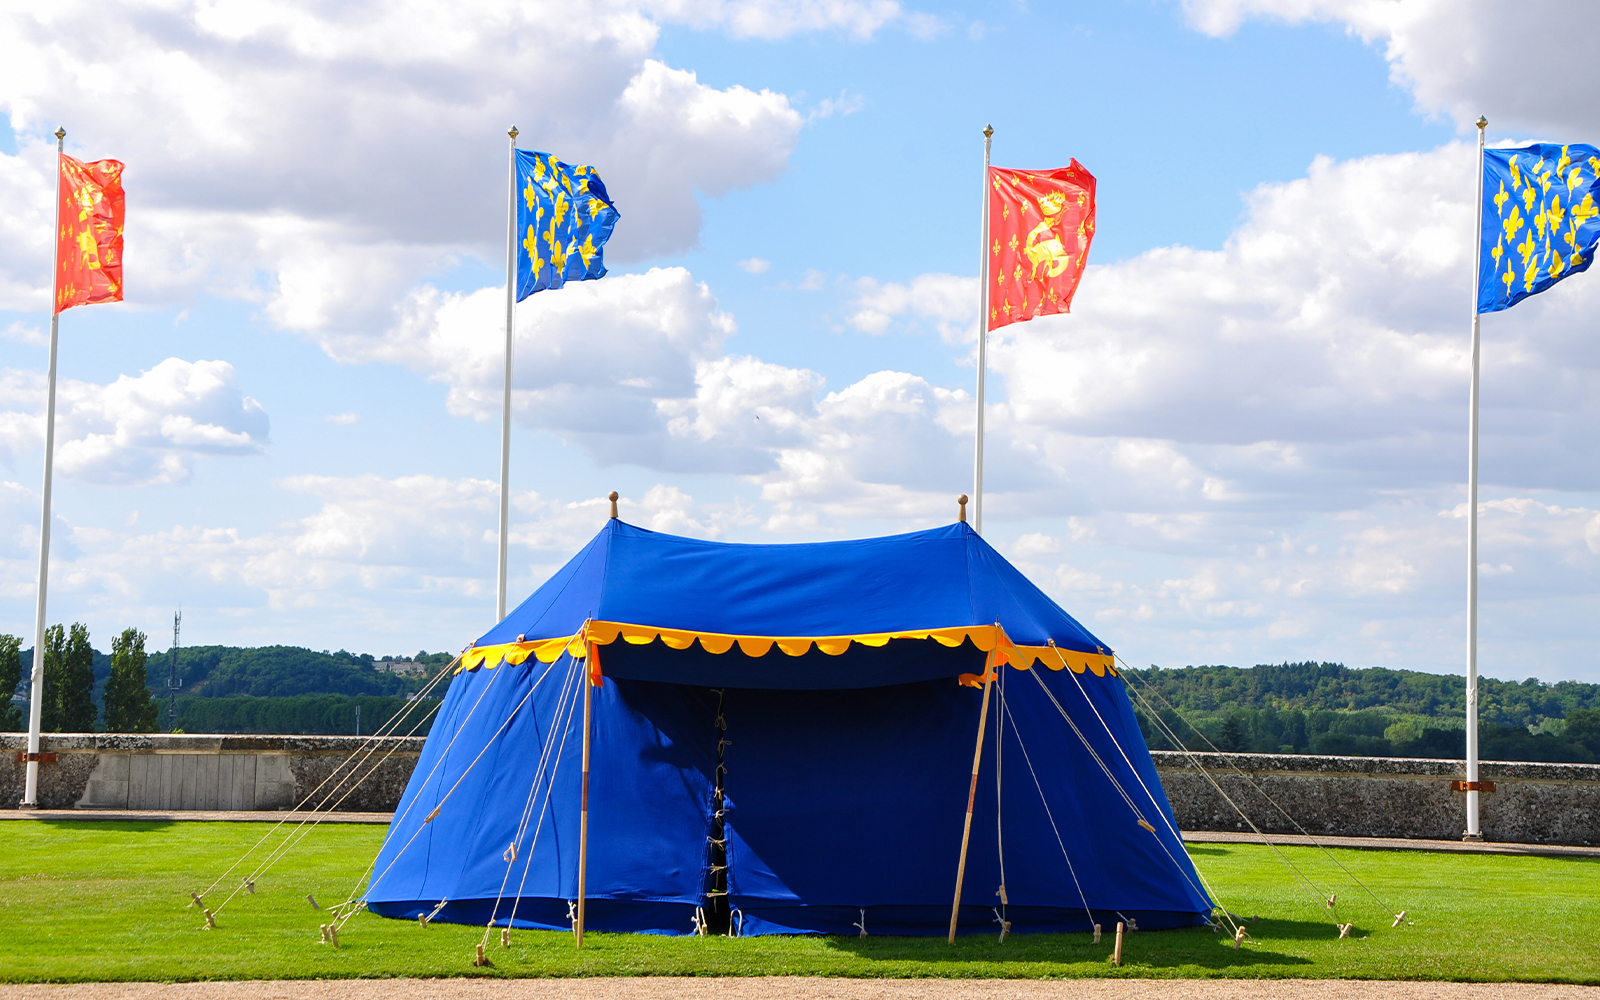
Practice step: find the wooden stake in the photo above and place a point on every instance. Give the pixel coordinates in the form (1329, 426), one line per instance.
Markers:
(1116, 953)
(583, 812)
(972, 792)
(1096, 933)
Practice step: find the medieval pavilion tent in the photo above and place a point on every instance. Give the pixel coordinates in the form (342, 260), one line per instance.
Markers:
(787, 733)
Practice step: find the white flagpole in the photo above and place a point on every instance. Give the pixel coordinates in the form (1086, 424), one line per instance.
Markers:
(1473, 832)
(983, 336)
(30, 791)
(505, 415)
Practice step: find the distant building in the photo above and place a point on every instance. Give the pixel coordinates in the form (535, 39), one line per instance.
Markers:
(404, 668)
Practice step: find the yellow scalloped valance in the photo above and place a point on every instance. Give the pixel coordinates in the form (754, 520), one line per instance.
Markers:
(985, 637)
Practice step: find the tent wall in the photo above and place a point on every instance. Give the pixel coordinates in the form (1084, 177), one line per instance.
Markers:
(650, 804)
(844, 801)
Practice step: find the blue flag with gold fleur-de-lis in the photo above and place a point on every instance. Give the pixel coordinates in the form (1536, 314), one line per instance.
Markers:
(1541, 222)
(564, 217)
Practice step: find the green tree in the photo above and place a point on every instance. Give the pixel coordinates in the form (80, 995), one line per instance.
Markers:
(1231, 736)
(68, 680)
(10, 674)
(129, 707)
(55, 655)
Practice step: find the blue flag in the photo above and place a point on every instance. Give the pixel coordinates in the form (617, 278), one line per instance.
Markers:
(564, 217)
(1540, 220)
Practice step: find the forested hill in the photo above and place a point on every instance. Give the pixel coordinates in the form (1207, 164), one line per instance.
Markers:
(1333, 709)
(283, 671)
(1336, 687)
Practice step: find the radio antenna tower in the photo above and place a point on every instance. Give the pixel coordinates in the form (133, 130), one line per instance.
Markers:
(174, 682)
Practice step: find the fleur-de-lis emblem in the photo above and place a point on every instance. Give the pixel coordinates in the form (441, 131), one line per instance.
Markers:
(1501, 199)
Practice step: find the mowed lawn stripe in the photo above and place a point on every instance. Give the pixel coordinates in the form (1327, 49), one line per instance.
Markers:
(85, 901)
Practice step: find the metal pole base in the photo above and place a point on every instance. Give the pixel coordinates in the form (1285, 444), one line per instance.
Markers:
(1474, 838)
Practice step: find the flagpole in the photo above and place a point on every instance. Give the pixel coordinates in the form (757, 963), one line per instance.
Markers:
(505, 415)
(30, 791)
(1473, 831)
(983, 336)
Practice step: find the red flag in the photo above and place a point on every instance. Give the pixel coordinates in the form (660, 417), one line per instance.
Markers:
(1041, 223)
(89, 242)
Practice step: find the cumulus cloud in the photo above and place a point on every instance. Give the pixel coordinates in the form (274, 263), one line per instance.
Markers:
(754, 265)
(409, 556)
(772, 19)
(1448, 53)
(320, 162)
(139, 429)
(948, 302)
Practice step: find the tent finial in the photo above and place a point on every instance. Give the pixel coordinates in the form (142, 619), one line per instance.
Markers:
(613, 498)
(961, 513)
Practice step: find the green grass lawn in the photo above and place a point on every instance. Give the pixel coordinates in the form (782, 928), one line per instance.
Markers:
(109, 901)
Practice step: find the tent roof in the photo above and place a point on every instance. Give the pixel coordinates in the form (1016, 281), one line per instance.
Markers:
(944, 585)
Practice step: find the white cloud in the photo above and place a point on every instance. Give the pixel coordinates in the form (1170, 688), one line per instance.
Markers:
(320, 162)
(772, 19)
(412, 556)
(139, 429)
(343, 418)
(1449, 53)
(754, 265)
(949, 301)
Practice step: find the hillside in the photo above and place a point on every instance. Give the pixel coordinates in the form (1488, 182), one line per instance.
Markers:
(280, 689)
(1328, 708)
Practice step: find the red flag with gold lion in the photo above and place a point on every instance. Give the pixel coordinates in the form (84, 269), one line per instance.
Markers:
(1041, 223)
(89, 241)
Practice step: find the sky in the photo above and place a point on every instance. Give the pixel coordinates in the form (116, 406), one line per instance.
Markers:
(1246, 443)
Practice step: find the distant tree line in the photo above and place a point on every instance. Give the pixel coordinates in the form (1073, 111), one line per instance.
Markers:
(266, 689)
(1328, 708)
(70, 683)
(315, 714)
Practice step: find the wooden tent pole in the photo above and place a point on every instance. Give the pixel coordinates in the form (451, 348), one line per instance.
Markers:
(972, 792)
(583, 813)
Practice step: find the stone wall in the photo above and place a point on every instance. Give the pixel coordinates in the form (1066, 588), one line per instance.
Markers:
(103, 771)
(1337, 796)
(1384, 797)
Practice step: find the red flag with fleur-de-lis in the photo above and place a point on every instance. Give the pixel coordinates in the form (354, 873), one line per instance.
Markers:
(89, 240)
(1041, 223)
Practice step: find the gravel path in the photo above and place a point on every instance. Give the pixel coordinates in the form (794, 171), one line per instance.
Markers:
(804, 988)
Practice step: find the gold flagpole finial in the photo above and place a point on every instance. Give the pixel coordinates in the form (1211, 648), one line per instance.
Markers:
(61, 133)
(988, 130)
(512, 132)
(1483, 123)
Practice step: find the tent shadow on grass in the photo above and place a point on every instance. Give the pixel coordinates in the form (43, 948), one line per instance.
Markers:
(122, 825)
(1170, 948)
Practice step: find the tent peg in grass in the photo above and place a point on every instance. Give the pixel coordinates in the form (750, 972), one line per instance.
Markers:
(1344, 930)
(313, 901)
(1239, 938)
(1096, 933)
(250, 886)
(1399, 918)
(482, 961)
(505, 937)
(211, 921)
(1333, 899)
(1116, 951)
(198, 902)
(324, 933)
(333, 935)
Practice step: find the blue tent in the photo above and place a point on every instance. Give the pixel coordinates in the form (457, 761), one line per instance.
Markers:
(784, 734)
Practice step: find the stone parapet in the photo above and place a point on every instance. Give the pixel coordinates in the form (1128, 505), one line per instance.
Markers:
(1328, 796)
(1382, 796)
(211, 772)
